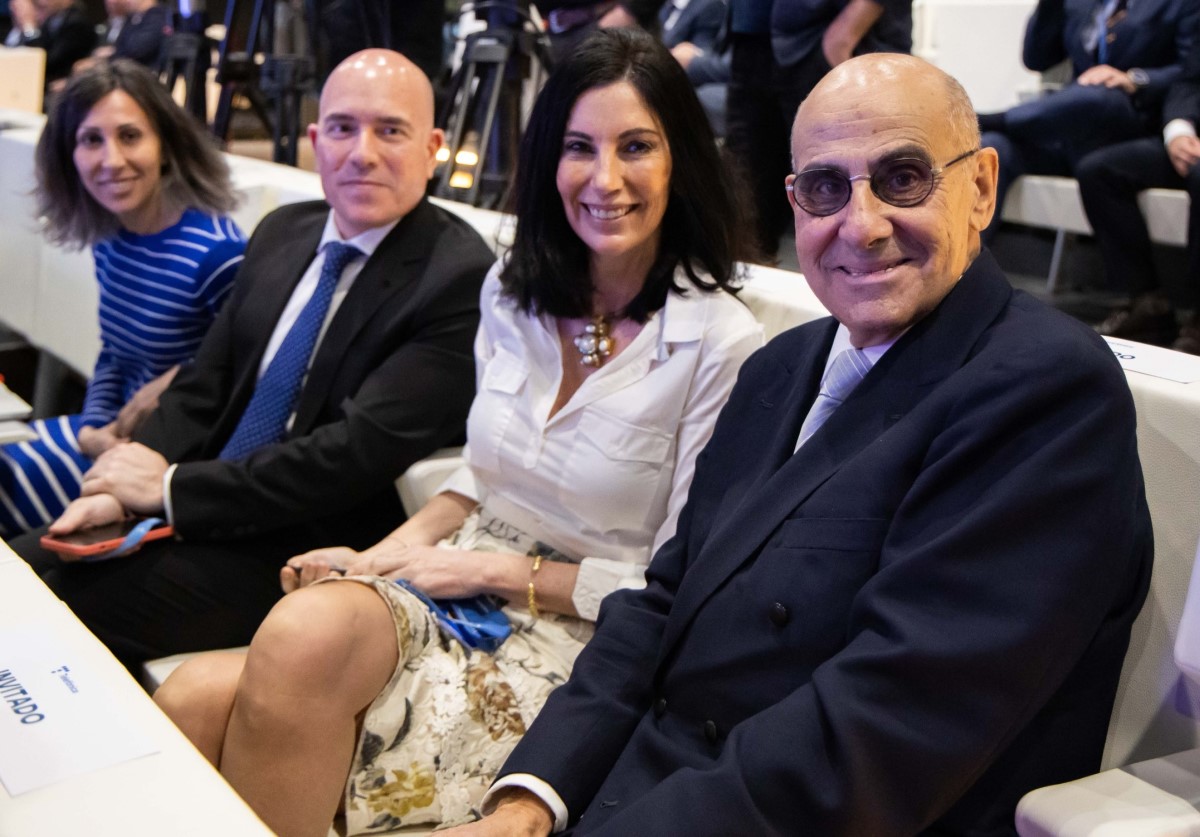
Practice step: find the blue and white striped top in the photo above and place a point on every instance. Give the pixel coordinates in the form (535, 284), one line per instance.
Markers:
(158, 296)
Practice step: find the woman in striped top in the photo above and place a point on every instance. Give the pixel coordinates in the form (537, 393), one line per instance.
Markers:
(121, 168)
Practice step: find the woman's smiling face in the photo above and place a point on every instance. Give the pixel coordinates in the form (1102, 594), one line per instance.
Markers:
(614, 176)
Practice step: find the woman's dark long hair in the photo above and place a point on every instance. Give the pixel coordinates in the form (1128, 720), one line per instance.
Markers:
(704, 230)
(194, 172)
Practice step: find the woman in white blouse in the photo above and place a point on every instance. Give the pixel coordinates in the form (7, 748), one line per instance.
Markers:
(607, 345)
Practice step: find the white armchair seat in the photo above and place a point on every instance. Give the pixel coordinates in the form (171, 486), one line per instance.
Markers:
(1155, 798)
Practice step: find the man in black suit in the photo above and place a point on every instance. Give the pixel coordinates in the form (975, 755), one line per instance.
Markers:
(1123, 55)
(901, 590)
(1109, 182)
(389, 381)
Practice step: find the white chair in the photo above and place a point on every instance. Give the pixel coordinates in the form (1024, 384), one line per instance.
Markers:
(1153, 798)
(422, 480)
(1051, 202)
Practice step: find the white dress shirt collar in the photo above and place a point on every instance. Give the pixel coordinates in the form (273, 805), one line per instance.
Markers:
(367, 241)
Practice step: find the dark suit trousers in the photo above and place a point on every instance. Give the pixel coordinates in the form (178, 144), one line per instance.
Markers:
(1109, 181)
(760, 108)
(1051, 134)
(168, 597)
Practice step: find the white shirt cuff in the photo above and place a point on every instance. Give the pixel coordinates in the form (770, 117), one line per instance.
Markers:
(1177, 128)
(168, 506)
(462, 481)
(538, 788)
(600, 576)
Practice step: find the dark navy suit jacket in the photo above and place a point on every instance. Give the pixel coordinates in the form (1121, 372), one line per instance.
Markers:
(898, 630)
(797, 27)
(142, 36)
(1183, 99)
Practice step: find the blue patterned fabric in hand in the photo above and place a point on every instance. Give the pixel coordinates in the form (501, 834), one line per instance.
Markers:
(274, 399)
(477, 622)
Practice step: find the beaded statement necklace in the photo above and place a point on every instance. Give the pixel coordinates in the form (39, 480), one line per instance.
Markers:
(595, 342)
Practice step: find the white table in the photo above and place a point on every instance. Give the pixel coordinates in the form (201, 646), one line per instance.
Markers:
(12, 407)
(174, 791)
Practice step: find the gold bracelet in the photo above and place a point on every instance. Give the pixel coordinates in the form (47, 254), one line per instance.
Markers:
(533, 568)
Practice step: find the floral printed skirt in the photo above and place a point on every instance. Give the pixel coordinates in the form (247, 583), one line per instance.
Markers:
(435, 737)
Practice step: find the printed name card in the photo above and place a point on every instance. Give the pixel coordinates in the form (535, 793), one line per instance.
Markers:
(1157, 361)
(12, 406)
(58, 716)
(15, 431)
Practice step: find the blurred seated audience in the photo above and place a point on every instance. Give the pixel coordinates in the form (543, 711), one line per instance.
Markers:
(1109, 181)
(60, 27)
(692, 30)
(569, 22)
(122, 169)
(1124, 54)
(411, 27)
(608, 344)
(779, 50)
(342, 356)
(137, 29)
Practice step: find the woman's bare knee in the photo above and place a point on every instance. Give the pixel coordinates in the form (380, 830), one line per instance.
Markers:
(198, 697)
(332, 643)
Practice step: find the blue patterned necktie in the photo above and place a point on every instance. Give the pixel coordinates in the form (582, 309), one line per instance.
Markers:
(847, 369)
(275, 396)
(1095, 35)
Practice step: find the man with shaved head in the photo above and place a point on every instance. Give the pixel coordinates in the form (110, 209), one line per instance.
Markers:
(343, 355)
(902, 588)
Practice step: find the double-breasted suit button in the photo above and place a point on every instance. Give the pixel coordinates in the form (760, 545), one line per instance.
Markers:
(710, 731)
(660, 707)
(778, 614)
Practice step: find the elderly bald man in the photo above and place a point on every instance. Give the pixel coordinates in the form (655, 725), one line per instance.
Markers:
(343, 355)
(902, 588)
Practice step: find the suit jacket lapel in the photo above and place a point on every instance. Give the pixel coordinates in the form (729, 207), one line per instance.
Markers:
(386, 272)
(929, 352)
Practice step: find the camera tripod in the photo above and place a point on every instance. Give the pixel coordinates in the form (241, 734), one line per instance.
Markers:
(282, 80)
(483, 117)
(186, 56)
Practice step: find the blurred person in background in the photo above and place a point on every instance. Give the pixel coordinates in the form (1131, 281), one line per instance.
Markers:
(1109, 182)
(780, 49)
(1123, 56)
(694, 32)
(60, 27)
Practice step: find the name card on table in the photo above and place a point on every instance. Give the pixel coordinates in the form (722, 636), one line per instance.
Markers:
(12, 406)
(15, 431)
(58, 718)
(1157, 361)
